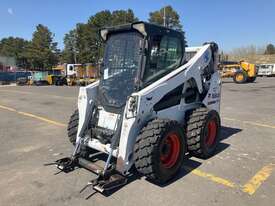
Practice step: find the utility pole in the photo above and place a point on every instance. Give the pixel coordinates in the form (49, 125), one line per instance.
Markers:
(75, 56)
(164, 17)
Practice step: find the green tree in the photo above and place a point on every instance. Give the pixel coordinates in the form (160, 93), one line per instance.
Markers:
(88, 45)
(100, 19)
(166, 16)
(270, 49)
(70, 50)
(15, 47)
(123, 17)
(42, 52)
(106, 19)
(96, 22)
(84, 43)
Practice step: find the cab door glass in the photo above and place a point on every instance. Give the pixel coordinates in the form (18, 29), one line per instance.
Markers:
(165, 55)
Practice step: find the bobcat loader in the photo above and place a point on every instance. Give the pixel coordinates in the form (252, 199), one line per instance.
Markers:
(155, 102)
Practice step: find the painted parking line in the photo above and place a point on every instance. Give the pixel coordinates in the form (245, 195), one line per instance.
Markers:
(49, 121)
(7, 108)
(256, 181)
(36, 94)
(211, 177)
(251, 123)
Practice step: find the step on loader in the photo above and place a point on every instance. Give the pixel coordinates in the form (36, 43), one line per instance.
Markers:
(156, 100)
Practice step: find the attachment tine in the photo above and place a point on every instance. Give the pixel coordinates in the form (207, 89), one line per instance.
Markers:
(92, 183)
(49, 164)
(85, 187)
(91, 195)
(58, 172)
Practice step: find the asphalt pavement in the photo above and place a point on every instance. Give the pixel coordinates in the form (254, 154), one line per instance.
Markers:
(33, 132)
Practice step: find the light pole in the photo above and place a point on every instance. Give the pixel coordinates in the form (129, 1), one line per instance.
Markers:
(164, 17)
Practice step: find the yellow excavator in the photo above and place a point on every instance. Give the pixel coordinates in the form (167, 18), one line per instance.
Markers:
(241, 72)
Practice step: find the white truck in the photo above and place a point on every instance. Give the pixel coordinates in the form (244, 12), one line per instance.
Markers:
(267, 70)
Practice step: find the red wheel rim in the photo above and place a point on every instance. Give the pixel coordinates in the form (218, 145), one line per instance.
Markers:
(170, 150)
(211, 133)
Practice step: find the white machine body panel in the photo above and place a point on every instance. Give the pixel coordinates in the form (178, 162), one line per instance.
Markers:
(133, 121)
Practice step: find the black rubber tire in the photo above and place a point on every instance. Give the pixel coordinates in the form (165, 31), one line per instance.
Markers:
(251, 79)
(147, 150)
(244, 77)
(197, 123)
(72, 127)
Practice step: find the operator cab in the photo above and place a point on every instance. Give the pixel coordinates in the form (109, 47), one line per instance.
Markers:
(136, 55)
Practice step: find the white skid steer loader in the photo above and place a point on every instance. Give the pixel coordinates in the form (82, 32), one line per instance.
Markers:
(156, 101)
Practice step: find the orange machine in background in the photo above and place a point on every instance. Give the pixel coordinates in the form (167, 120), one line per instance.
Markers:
(241, 72)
